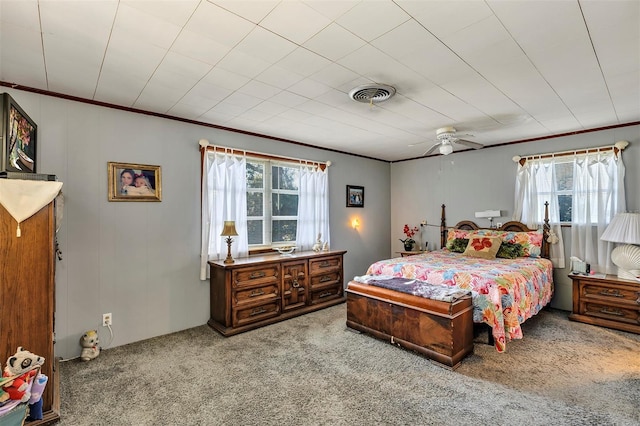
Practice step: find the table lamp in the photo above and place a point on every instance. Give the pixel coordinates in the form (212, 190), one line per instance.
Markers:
(625, 229)
(229, 231)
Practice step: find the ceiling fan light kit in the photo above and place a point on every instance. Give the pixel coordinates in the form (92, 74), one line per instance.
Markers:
(447, 135)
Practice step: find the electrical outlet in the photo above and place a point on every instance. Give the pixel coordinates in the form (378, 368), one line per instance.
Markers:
(106, 319)
(499, 224)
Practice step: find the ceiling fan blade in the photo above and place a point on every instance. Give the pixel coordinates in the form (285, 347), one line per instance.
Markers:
(470, 144)
(430, 150)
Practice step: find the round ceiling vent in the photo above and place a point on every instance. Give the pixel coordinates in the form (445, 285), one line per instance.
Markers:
(372, 93)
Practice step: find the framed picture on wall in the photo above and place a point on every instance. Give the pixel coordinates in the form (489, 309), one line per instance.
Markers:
(355, 196)
(19, 133)
(134, 182)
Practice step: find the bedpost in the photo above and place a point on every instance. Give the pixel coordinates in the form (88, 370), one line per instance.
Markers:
(443, 228)
(546, 228)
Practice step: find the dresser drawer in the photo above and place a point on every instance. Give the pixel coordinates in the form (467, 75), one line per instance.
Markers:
(256, 275)
(326, 293)
(325, 264)
(610, 312)
(242, 316)
(610, 294)
(327, 279)
(255, 295)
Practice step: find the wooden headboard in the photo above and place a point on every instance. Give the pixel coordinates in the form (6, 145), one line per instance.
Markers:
(512, 226)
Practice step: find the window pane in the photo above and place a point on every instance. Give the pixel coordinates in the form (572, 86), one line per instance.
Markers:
(284, 204)
(255, 175)
(284, 177)
(255, 206)
(254, 229)
(564, 176)
(284, 230)
(564, 204)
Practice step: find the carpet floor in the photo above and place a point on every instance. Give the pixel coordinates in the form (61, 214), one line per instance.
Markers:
(312, 370)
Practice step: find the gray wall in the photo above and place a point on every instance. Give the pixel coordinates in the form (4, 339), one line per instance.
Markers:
(140, 261)
(485, 179)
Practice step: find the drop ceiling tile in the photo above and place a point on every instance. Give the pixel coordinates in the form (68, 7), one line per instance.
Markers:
(259, 90)
(78, 20)
(199, 47)
(24, 46)
(309, 88)
(288, 99)
(132, 58)
(243, 64)
(228, 30)
(265, 45)
(370, 19)
(332, 9)
(294, 21)
(120, 88)
(254, 115)
(175, 12)
(188, 111)
(145, 27)
(225, 79)
(158, 98)
(23, 14)
(270, 107)
(216, 117)
(334, 75)
(334, 42)
(365, 60)
(304, 62)
(254, 11)
(242, 100)
(279, 77)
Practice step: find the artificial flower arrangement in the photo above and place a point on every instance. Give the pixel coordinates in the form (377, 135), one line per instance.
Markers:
(409, 232)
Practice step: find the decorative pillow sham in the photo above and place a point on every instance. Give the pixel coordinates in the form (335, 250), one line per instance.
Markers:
(510, 251)
(459, 245)
(454, 234)
(531, 242)
(485, 247)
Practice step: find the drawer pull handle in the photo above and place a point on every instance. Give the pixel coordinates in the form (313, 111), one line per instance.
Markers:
(257, 275)
(255, 293)
(612, 312)
(611, 292)
(295, 284)
(325, 294)
(324, 264)
(258, 311)
(325, 278)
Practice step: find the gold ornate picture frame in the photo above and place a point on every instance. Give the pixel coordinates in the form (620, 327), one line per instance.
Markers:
(134, 182)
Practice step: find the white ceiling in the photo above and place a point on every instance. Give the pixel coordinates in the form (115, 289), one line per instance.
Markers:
(498, 71)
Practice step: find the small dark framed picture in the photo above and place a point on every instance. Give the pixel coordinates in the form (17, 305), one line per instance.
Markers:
(134, 182)
(355, 196)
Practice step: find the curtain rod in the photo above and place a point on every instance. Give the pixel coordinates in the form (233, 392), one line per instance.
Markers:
(616, 147)
(204, 145)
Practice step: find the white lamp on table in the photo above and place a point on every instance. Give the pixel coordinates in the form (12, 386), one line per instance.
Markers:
(625, 229)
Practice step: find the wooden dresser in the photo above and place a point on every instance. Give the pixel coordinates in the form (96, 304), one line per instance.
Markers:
(27, 296)
(261, 290)
(609, 302)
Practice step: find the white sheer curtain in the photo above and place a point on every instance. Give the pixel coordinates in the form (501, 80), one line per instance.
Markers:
(598, 194)
(313, 207)
(224, 197)
(536, 184)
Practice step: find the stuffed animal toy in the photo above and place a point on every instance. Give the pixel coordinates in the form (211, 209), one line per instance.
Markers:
(22, 364)
(89, 342)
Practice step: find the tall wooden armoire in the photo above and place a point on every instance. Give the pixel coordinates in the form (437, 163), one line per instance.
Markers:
(27, 295)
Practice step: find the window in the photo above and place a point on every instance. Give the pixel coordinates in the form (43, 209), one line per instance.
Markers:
(272, 202)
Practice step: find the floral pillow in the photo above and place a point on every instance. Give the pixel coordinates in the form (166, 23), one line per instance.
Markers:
(485, 247)
(454, 234)
(531, 242)
(510, 250)
(459, 245)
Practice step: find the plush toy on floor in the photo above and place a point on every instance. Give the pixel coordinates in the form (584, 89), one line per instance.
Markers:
(89, 342)
(21, 364)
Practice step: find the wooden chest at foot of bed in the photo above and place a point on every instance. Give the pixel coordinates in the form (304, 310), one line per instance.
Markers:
(442, 331)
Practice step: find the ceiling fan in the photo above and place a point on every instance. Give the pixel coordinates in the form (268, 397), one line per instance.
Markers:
(447, 135)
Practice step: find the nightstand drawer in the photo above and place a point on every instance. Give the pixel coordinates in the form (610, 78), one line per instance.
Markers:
(610, 294)
(609, 312)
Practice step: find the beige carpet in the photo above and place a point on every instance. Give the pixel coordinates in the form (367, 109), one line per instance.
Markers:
(312, 370)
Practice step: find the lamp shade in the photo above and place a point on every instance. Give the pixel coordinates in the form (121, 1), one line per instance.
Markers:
(446, 149)
(624, 228)
(488, 214)
(229, 229)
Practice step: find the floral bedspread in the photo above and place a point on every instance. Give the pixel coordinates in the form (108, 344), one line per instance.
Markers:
(506, 292)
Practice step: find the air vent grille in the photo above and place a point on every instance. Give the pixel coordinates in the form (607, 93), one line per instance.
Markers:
(372, 93)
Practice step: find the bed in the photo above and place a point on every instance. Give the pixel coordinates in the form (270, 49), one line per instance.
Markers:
(505, 291)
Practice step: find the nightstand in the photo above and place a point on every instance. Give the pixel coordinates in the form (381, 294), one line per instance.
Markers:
(608, 302)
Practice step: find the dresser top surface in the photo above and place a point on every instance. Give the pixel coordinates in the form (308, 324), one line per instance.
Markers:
(275, 257)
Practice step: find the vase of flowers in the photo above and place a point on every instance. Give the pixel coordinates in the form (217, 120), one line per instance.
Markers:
(409, 241)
